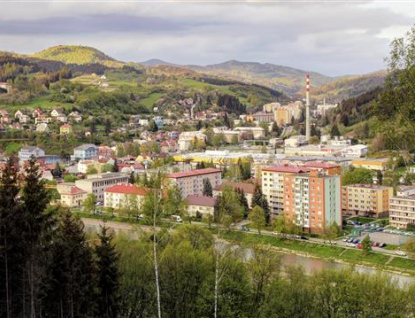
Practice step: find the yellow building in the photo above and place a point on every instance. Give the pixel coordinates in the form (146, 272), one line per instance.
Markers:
(66, 129)
(365, 199)
(372, 164)
(71, 195)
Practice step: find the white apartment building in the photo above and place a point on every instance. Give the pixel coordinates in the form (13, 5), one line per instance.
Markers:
(191, 182)
(402, 211)
(124, 196)
(97, 183)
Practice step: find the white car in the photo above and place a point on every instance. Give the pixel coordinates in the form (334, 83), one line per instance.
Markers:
(400, 253)
(350, 245)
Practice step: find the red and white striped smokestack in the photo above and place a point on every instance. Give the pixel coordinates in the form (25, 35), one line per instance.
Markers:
(307, 107)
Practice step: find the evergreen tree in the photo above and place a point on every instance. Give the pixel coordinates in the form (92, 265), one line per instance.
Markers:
(257, 196)
(131, 179)
(243, 201)
(334, 132)
(207, 188)
(71, 270)
(11, 245)
(107, 276)
(57, 171)
(36, 226)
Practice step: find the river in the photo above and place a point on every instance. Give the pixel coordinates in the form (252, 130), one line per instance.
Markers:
(312, 265)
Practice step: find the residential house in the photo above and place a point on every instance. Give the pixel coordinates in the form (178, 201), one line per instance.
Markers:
(27, 152)
(59, 115)
(75, 116)
(42, 128)
(86, 151)
(65, 129)
(199, 205)
(105, 152)
(71, 195)
(37, 112)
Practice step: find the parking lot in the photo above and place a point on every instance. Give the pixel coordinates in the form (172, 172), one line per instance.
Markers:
(388, 238)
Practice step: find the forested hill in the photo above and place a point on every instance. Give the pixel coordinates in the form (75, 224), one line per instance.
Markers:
(286, 79)
(77, 54)
(349, 86)
(356, 109)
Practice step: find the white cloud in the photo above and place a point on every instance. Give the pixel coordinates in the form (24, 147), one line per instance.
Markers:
(333, 38)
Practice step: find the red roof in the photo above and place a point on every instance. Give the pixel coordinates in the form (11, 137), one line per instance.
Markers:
(201, 200)
(247, 187)
(74, 191)
(192, 173)
(285, 169)
(127, 189)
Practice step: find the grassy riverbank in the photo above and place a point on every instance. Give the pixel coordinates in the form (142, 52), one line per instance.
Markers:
(351, 256)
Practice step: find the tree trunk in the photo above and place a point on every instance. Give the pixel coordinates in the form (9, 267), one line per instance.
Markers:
(216, 285)
(156, 270)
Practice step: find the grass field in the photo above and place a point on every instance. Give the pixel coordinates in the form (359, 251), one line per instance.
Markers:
(362, 219)
(323, 251)
(150, 100)
(42, 102)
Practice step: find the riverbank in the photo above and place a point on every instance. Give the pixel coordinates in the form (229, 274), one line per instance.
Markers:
(393, 264)
(334, 253)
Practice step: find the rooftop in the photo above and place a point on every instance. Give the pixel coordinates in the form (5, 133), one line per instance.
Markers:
(86, 146)
(246, 187)
(127, 189)
(192, 173)
(201, 200)
(285, 169)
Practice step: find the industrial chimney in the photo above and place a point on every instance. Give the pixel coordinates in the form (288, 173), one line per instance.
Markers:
(307, 108)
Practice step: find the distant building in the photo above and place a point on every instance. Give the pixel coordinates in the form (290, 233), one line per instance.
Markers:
(405, 191)
(191, 182)
(97, 184)
(402, 211)
(257, 132)
(71, 195)
(248, 189)
(295, 141)
(42, 128)
(86, 151)
(65, 129)
(366, 199)
(355, 151)
(187, 138)
(120, 196)
(262, 117)
(27, 152)
(372, 164)
(200, 205)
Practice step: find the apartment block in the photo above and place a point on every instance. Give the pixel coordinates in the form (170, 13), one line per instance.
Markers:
(312, 200)
(71, 195)
(97, 183)
(124, 196)
(366, 200)
(402, 211)
(191, 182)
(273, 185)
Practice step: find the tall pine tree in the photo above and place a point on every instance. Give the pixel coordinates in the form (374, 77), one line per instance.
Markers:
(207, 188)
(108, 276)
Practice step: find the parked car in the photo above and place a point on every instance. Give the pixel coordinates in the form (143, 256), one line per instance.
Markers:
(382, 244)
(355, 241)
(177, 218)
(350, 245)
(345, 239)
(244, 228)
(304, 237)
(359, 246)
(140, 216)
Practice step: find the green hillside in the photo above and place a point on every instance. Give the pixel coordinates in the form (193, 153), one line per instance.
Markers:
(286, 79)
(349, 86)
(76, 54)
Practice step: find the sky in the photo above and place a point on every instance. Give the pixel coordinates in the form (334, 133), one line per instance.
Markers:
(327, 36)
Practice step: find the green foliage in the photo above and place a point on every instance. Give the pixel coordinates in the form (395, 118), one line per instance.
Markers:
(107, 276)
(90, 203)
(69, 178)
(366, 244)
(257, 217)
(207, 188)
(357, 176)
